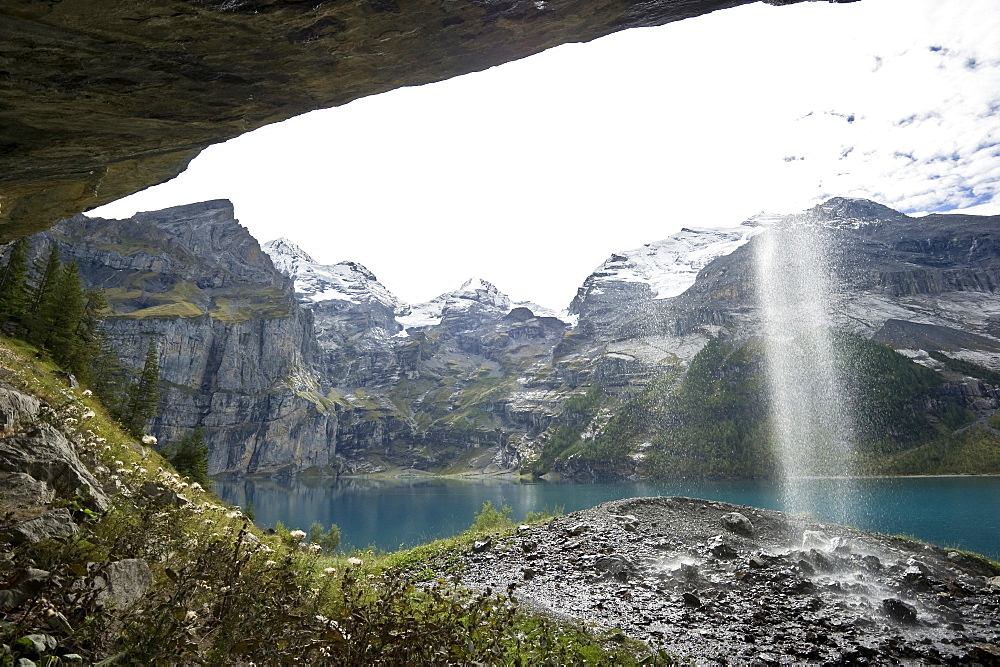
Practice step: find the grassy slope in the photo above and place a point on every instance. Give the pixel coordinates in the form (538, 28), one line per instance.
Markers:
(224, 592)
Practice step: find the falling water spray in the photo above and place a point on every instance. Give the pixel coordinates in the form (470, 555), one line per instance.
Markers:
(812, 423)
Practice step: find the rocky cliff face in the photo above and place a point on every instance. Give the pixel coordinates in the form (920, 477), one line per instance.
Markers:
(105, 98)
(322, 366)
(235, 349)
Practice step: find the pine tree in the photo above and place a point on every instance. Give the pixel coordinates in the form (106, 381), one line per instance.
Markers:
(62, 311)
(191, 457)
(88, 333)
(39, 313)
(109, 379)
(145, 394)
(14, 297)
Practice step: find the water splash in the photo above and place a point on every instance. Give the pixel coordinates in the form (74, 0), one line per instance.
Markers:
(812, 423)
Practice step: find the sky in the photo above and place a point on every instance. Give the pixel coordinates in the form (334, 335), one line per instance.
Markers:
(531, 174)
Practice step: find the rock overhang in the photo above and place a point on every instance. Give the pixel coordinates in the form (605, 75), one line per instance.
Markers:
(103, 98)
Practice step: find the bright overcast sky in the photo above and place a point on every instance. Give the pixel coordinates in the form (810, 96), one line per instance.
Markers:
(531, 174)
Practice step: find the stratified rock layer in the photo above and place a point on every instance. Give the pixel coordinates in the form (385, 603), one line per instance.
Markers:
(103, 98)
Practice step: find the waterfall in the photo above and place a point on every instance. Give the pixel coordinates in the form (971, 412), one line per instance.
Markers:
(811, 417)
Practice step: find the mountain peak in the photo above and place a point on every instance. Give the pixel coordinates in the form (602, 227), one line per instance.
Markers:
(853, 209)
(282, 247)
(315, 282)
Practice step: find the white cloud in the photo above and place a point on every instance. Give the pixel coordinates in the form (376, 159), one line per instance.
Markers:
(532, 173)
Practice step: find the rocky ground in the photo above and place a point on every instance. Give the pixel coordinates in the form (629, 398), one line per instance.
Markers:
(724, 584)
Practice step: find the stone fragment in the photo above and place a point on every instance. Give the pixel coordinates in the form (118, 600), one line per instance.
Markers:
(691, 599)
(54, 523)
(528, 546)
(578, 529)
(899, 610)
(721, 549)
(479, 546)
(528, 573)
(816, 539)
(737, 523)
(619, 567)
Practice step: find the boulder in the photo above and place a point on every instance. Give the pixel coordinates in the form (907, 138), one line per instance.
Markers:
(122, 582)
(55, 523)
(737, 523)
(46, 455)
(18, 489)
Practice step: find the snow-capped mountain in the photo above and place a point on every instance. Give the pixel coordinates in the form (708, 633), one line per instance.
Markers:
(315, 283)
(474, 292)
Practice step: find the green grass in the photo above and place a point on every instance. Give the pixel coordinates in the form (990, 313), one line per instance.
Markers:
(224, 592)
(181, 309)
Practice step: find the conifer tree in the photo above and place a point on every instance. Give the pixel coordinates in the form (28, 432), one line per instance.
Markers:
(38, 317)
(14, 296)
(61, 312)
(191, 457)
(109, 379)
(145, 394)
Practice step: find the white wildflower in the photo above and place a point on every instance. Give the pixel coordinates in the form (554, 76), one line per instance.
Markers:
(87, 392)
(297, 535)
(197, 487)
(100, 441)
(269, 563)
(190, 617)
(69, 421)
(329, 570)
(354, 562)
(232, 515)
(315, 548)
(148, 440)
(89, 414)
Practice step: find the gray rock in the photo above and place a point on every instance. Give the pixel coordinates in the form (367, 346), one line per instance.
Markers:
(690, 599)
(619, 567)
(23, 490)
(578, 529)
(54, 523)
(16, 408)
(479, 546)
(737, 523)
(25, 584)
(121, 583)
(160, 494)
(46, 455)
(36, 645)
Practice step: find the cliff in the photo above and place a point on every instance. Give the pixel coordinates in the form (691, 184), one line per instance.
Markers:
(234, 346)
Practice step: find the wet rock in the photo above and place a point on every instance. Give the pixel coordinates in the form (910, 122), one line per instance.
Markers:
(627, 521)
(757, 563)
(528, 573)
(578, 529)
(54, 523)
(619, 567)
(480, 546)
(691, 599)
(737, 523)
(721, 549)
(529, 546)
(899, 610)
(816, 539)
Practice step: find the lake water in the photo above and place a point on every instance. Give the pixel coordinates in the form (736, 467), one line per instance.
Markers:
(961, 512)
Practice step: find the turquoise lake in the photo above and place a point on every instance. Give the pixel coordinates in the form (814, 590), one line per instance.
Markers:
(961, 512)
